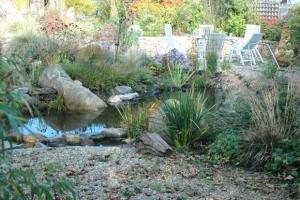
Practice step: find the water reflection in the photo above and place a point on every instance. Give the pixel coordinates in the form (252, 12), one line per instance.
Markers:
(57, 124)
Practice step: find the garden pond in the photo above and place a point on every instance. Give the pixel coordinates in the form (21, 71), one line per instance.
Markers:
(56, 124)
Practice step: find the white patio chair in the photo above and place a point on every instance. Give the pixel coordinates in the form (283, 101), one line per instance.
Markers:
(213, 43)
(250, 30)
(169, 37)
(205, 30)
(248, 49)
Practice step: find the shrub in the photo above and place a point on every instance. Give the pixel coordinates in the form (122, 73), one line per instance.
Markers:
(151, 25)
(272, 32)
(156, 68)
(86, 7)
(33, 47)
(270, 70)
(275, 118)
(212, 62)
(135, 120)
(226, 147)
(294, 26)
(235, 25)
(187, 119)
(189, 16)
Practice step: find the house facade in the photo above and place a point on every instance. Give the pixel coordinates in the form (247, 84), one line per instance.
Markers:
(274, 10)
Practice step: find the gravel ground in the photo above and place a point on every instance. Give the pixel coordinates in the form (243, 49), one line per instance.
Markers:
(121, 173)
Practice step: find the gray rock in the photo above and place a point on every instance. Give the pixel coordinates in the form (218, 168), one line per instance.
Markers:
(55, 142)
(123, 89)
(115, 100)
(156, 121)
(72, 139)
(40, 145)
(76, 97)
(114, 132)
(98, 137)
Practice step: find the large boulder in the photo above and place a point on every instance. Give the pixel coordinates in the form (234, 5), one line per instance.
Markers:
(76, 96)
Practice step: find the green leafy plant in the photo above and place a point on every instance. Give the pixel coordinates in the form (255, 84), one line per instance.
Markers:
(269, 70)
(285, 159)
(226, 147)
(135, 120)
(187, 119)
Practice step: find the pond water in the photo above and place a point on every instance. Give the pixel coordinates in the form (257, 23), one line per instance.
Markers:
(56, 124)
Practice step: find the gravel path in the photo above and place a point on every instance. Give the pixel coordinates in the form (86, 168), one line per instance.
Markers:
(120, 173)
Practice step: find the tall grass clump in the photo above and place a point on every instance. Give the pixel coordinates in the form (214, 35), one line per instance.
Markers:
(34, 47)
(275, 119)
(135, 120)
(212, 62)
(187, 119)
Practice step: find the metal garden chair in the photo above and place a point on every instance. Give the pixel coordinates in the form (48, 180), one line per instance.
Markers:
(246, 50)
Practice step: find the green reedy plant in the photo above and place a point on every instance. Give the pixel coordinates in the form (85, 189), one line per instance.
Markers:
(275, 119)
(57, 104)
(212, 62)
(178, 76)
(200, 82)
(135, 120)
(187, 119)
(97, 70)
